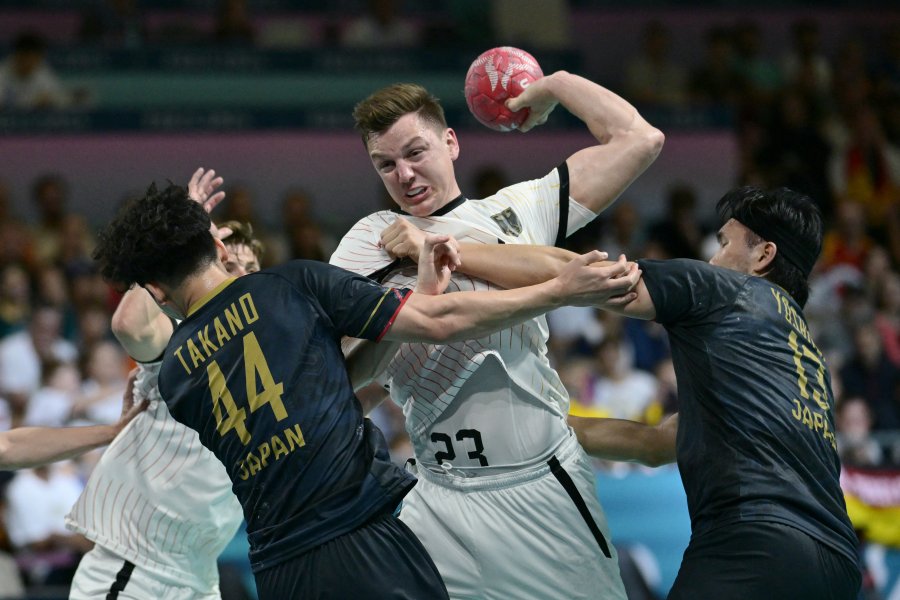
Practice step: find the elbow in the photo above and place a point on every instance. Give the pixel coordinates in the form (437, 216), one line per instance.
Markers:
(657, 458)
(650, 142)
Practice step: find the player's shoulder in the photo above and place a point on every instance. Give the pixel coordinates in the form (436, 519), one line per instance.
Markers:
(375, 221)
(525, 189)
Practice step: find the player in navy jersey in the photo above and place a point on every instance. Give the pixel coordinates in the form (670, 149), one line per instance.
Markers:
(256, 368)
(755, 433)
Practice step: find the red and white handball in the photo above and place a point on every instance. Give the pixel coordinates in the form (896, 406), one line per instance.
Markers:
(495, 76)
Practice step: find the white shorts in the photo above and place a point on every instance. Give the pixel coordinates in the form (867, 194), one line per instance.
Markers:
(538, 533)
(102, 574)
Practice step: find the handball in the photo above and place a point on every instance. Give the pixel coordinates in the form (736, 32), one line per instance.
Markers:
(494, 77)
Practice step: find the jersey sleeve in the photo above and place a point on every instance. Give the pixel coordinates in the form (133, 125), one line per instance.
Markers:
(687, 292)
(355, 305)
(359, 250)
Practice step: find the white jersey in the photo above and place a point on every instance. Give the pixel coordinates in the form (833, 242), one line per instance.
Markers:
(493, 402)
(158, 498)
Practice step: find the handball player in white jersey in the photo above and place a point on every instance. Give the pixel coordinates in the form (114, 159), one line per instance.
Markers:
(158, 505)
(506, 502)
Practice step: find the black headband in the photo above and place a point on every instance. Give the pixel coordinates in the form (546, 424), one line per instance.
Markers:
(787, 242)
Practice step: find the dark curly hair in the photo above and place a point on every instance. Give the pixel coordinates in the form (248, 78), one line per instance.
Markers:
(162, 237)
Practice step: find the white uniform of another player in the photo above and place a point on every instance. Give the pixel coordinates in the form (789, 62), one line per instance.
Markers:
(506, 502)
(159, 508)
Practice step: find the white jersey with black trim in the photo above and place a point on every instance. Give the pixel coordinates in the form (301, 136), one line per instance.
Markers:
(492, 404)
(158, 498)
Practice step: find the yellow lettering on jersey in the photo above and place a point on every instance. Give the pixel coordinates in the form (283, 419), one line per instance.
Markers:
(275, 448)
(221, 334)
(254, 464)
(181, 359)
(264, 452)
(293, 437)
(815, 420)
(248, 307)
(233, 319)
(203, 337)
(279, 447)
(196, 357)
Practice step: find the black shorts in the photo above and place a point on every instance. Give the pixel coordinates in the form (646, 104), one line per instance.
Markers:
(381, 559)
(763, 561)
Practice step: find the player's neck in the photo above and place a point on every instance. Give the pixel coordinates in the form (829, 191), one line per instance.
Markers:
(197, 288)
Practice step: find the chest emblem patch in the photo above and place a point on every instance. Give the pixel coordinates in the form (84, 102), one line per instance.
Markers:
(508, 221)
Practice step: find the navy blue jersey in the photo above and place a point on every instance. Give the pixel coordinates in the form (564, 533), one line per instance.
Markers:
(257, 370)
(756, 431)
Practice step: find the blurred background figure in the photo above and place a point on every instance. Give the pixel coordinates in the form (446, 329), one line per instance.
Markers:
(27, 82)
(382, 25)
(654, 77)
(112, 23)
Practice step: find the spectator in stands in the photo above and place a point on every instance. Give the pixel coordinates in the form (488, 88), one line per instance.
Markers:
(240, 205)
(618, 389)
(715, 82)
(51, 405)
(303, 237)
(805, 65)
(113, 23)
(680, 233)
(622, 232)
(38, 500)
(867, 168)
(795, 152)
(27, 82)
(106, 379)
(853, 424)
(870, 374)
(15, 298)
(381, 26)
(23, 354)
(233, 23)
(49, 195)
(887, 315)
(847, 241)
(759, 76)
(652, 77)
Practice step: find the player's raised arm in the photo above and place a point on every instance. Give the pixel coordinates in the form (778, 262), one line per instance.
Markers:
(622, 440)
(628, 144)
(138, 323)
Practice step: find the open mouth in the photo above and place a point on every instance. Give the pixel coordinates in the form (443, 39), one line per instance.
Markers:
(416, 194)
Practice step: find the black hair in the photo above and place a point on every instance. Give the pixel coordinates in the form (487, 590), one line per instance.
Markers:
(29, 41)
(162, 237)
(790, 220)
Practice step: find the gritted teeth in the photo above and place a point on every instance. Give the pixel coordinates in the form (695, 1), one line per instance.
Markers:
(415, 191)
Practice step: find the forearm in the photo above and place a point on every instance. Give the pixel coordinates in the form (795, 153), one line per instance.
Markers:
(140, 325)
(469, 315)
(513, 265)
(519, 265)
(33, 446)
(606, 114)
(621, 440)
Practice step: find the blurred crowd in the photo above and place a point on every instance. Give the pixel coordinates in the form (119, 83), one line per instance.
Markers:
(825, 124)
